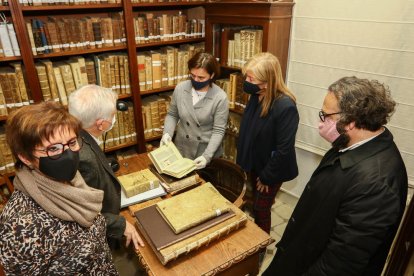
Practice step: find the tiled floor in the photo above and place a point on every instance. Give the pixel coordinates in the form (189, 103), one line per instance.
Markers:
(281, 211)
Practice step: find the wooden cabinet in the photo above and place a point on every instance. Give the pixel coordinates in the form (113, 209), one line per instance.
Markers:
(124, 44)
(273, 18)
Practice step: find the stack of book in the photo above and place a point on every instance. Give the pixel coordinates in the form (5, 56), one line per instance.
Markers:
(186, 222)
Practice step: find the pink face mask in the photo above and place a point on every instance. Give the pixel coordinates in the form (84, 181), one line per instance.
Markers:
(327, 130)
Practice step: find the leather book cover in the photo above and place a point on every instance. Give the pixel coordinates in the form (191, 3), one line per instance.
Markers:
(138, 182)
(193, 207)
(150, 219)
(43, 80)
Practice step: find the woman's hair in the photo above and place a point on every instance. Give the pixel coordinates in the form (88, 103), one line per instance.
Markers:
(92, 102)
(207, 62)
(265, 67)
(29, 126)
(368, 103)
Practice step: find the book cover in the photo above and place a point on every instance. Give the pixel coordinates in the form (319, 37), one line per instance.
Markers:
(149, 219)
(138, 182)
(174, 185)
(193, 207)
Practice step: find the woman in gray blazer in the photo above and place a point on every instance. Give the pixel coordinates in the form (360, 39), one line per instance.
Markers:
(198, 112)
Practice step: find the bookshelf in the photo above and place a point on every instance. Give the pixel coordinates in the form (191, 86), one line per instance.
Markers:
(121, 53)
(235, 31)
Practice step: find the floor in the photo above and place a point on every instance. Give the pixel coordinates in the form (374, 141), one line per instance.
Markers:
(281, 211)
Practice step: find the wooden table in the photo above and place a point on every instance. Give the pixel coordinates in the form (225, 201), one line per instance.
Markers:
(235, 254)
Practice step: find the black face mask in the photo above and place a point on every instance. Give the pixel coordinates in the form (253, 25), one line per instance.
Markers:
(250, 88)
(62, 169)
(198, 85)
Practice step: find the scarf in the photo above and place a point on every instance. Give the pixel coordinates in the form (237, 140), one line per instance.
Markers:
(70, 202)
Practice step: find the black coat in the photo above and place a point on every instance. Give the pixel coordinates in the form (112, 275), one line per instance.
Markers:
(348, 214)
(266, 145)
(94, 168)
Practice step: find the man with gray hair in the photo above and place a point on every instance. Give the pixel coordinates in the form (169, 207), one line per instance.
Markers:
(348, 214)
(95, 107)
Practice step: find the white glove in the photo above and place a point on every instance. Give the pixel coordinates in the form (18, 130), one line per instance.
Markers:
(166, 138)
(200, 162)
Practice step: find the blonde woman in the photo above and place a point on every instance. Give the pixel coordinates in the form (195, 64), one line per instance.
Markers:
(266, 143)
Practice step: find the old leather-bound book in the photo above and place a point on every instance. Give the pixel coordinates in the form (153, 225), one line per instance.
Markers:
(193, 207)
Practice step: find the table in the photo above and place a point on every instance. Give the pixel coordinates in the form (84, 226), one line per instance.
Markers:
(235, 254)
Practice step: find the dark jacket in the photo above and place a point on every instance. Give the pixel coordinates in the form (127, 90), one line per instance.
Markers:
(266, 145)
(348, 214)
(94, 168)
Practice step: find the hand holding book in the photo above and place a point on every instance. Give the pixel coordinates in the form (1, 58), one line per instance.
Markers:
(200, 162)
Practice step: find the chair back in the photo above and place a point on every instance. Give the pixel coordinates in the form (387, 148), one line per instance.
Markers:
(228, 178)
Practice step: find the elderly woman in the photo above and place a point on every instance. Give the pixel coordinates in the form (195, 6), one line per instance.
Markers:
(51, 223)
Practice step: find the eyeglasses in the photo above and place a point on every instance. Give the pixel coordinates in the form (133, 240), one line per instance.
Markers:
(323, 115)
(55, 151)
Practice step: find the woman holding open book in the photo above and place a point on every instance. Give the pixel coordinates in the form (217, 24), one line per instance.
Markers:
(266, 146)
(201, 109)
(52, 223)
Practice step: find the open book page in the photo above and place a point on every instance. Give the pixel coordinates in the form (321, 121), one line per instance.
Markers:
(180, 168)
(167, 159)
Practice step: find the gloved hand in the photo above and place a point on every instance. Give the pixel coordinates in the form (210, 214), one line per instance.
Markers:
(166, 138)
(200, 162)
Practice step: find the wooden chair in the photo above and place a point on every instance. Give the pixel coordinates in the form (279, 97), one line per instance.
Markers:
(228, 178)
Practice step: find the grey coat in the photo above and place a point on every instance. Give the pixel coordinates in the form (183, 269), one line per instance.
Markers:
(200, 128)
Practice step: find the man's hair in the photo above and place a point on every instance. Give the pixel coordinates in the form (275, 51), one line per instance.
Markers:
(368, 103)
(265, 67)
(31, 125)
(92, 102)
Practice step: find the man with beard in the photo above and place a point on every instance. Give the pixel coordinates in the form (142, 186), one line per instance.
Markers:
(346, 219)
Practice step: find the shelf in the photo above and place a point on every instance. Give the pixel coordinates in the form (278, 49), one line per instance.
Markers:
(71, 7)
(153, 91)
(170, 42)
(81, 52)
(125, 145)
(7, 59)
(124, 96)
(4, 8)
(154, 138)
(237, 110)
(231, 68)
(168, 4)
(3, 118)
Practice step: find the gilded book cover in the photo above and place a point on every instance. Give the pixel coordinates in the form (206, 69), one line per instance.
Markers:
(138, 182)
(193, 207)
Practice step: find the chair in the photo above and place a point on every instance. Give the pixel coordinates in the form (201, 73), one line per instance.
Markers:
(228, 178)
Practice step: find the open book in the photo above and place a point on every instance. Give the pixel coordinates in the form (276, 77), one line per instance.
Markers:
(167, 159)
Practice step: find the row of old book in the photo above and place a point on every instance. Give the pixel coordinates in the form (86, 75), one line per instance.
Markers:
(185, 222)
(233, 86)
(166, 66)
(55, 34)
(150, 27)
(66, 2)
(6, 157)
(230, 138)
(245, 44)
(154, 109)
(84, 2)
(14, 91)
(9, 46)
(123, 131)
(4, 2)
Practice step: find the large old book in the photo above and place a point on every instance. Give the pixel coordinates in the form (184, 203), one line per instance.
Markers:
(194, 241)
(175, 185)
(149, 219)
(167, 159)
(193, 207)
(138, 182)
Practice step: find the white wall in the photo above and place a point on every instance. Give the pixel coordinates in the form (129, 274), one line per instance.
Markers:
(330, 39)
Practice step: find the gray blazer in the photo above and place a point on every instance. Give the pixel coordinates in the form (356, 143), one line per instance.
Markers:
(200, 128)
